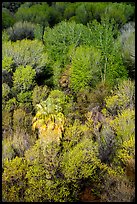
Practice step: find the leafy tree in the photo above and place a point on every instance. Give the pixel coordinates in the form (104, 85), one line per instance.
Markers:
(58, 39)
(7, 64)
(84, 68)
(7, 68)
(111, 64)
(84, 13)
(11, 104)
(70, 11)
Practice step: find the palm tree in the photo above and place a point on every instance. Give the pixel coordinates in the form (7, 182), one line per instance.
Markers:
(49, 121)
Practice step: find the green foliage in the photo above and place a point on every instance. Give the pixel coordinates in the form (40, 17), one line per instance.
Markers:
(37, 13)
(5, 91)
(81, 161)
(7, 18)
(84, 68)
(123, 97)
(70, 11)
(22, 120)
(24, 97)
(111, 65)
(40, 93)
(7, 129)
(121, 12)
(54, 86)
(7, 64)
(124, 127)
(38, 32)
(7, 150)
(24, 78)
(35, 153)
(5, 36)
(21, 30)
(13, 180)
(12, 6)
(117, 188)
(11, 104)
(26, 52)
(23, 136)
(127, 39)
(61, 36)
(84, 13)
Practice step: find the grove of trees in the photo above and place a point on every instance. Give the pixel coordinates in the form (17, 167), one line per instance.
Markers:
(68, 101)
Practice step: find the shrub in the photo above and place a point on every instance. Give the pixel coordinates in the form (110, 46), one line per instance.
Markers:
(124, 127)
(81, 161)
(23, 136)
(7, 18)
(5, 36)
(117, 189)
(13, 180)
(7, 150)
(127, 39)
(40, 93)
(23, 79)
(20, 50)
(7, 129)
(5, 91)
(123, 97)
(21, 30)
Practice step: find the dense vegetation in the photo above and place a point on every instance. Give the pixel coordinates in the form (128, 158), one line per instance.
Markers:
(68, 101)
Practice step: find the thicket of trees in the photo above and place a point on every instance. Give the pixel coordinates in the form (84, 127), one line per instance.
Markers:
(68, 101)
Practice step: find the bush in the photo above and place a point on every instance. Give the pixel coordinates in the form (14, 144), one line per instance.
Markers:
(24, 79)
(13, 180)
(21, 30)
(127, 39)
(122, 97)
(20, 50)
(5, 91)
(40, 93)
(7, 150)
(7, 129)
(5, 36)
(81, 161)
(124, 128)
(7, 18)
(23, 136)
